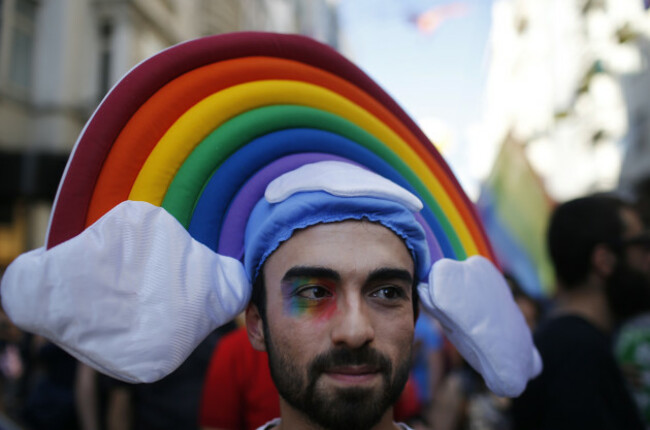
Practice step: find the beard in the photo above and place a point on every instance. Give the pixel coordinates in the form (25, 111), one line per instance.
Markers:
(628, 292)
(351, 408)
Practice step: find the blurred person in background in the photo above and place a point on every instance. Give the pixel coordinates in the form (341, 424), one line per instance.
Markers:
(428, 363)
(12, 368)
(632, 340)
(50, 396)
(632, 350)
(103, 403)
(174, 401)
(459, 381)
(581, 385)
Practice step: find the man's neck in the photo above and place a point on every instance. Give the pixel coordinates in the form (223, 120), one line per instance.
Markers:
(589, 302)
(292, 419)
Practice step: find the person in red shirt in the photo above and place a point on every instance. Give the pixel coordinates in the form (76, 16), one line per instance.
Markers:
(238, 393)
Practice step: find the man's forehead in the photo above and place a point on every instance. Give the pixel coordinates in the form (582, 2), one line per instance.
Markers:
(343, 233)
(334, 243)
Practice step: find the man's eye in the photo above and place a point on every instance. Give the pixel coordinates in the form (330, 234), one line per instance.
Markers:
(313, 293)
(389, 293)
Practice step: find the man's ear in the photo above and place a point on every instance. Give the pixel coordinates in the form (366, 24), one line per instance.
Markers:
(255, 327)
(603, 261)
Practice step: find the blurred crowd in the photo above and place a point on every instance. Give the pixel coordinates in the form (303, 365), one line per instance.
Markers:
(598, 321)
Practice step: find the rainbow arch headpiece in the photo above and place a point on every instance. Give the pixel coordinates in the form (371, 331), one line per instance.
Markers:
(201, 128)
(201, 131)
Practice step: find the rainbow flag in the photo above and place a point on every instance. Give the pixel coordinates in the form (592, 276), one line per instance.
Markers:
(515, 209)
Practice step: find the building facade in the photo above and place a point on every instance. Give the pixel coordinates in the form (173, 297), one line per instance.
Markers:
(58, 58)
(568, 80)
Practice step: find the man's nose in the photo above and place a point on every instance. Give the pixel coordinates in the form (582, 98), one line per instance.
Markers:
(352, 326)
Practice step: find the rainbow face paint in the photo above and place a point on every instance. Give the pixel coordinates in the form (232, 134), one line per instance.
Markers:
(309, 296)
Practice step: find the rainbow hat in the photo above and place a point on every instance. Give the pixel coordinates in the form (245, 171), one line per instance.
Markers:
(189, 142)
(201, 128)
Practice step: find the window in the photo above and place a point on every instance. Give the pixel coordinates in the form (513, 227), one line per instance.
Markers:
(22, 44)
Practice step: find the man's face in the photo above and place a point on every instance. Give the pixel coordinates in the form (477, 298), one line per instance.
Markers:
(628, 287)
(340, 322)
(637, 256)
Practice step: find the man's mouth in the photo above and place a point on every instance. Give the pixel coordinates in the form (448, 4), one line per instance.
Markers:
(353, 374)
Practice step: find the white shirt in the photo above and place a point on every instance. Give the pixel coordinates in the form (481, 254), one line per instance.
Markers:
(276, 422)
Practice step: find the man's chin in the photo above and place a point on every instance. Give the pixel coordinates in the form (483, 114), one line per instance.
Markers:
(355, 394)
(351, 407)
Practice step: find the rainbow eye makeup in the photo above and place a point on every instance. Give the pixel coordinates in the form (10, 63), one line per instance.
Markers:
(309, 296)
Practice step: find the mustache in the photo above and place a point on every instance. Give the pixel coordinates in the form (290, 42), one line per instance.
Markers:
(343, 356)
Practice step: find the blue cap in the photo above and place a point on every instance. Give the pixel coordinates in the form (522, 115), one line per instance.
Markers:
(270, 224)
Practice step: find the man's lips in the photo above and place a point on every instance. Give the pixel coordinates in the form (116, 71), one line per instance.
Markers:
(352, 374)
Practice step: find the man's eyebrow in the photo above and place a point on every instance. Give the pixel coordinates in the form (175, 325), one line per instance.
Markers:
(386, 273)
(311, 272)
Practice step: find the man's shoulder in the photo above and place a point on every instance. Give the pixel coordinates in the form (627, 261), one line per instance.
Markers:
(570, 344)
(570, 330)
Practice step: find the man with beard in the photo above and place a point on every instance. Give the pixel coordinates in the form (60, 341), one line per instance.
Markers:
(335, 315)
(318, 202)
(338, 324)
(335, 266)
(599, 281)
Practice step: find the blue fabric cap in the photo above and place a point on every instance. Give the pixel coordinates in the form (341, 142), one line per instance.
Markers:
(271, 224)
